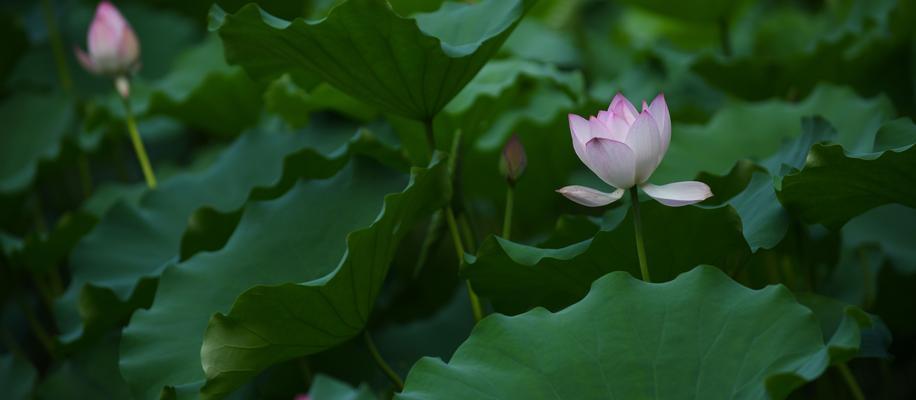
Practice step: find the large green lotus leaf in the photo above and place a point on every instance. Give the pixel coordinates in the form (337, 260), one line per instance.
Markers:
(701, 335)
(836, 185)
(335, 235)
(34, 125)
(17, 377)
(114, 266)
(408, 66)
(516, 277)
(728, 136)
(91, 373)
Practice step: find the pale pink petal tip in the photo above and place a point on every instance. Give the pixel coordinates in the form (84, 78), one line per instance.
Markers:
(589, 197)
(678, 194)
(85, 60)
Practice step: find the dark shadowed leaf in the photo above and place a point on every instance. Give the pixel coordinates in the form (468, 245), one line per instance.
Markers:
(517, 277)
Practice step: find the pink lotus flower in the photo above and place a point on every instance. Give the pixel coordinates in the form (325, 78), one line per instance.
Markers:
(623, 147)
(113, 46)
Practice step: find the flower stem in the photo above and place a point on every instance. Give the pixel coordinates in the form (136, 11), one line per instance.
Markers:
(382, 364)
(507, 219)
(466, 233)
(432, 237)
(138, 146)
(57, 46)
(850, 381)
(637, 226)
(476, 309)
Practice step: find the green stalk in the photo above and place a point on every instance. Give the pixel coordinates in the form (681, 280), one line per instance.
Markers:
(466, 233)
(507, 219)
(57, 46)
(637, 225)
(382, 364)
(850, 379)
(432, 237)
(476, 309)
(138, 146)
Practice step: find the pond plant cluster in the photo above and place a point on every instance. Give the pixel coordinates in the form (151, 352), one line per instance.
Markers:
(494, 199)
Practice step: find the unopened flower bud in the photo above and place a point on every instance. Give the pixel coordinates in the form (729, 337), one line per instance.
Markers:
(513, 161)
(113, 47)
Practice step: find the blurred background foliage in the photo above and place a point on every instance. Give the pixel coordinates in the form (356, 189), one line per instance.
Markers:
(752, 86)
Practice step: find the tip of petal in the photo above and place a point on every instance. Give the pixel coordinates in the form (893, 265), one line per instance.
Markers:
(107, 10)
(85, 60)
(660, 98)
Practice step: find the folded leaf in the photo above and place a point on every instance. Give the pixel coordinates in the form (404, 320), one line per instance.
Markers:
(407, 66)
(337, 235)
(837, 185)
(114, 267)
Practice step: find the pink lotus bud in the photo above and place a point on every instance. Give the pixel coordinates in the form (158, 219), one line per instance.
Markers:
(113, 46)
(623, 147)
(302, 396)
(514, 160)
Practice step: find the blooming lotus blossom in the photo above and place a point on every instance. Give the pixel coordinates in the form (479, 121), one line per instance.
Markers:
(623, 147)
(113, 46)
